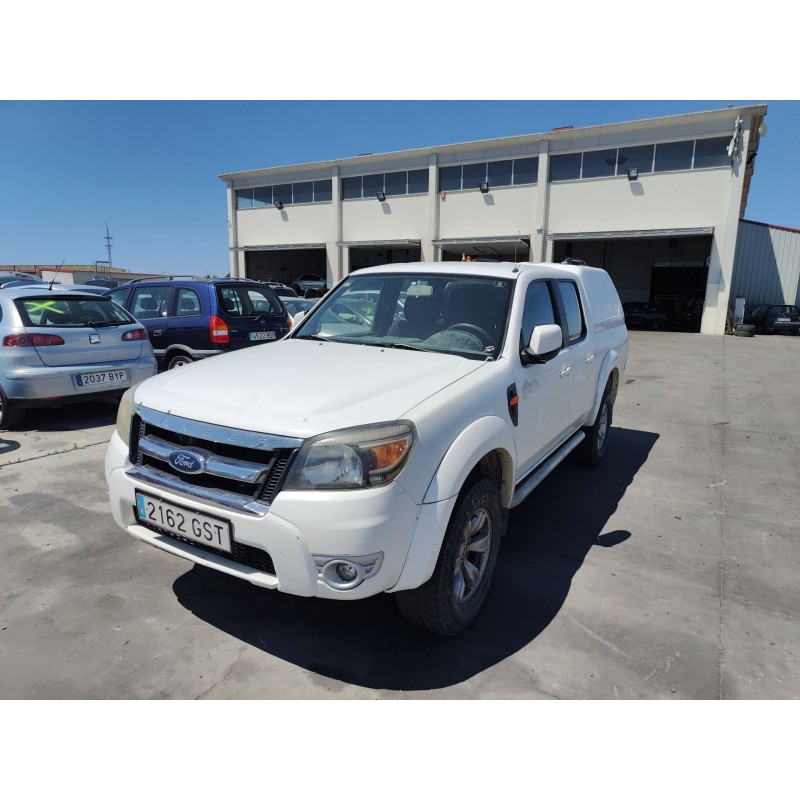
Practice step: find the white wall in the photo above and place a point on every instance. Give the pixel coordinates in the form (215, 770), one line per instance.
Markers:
(300, 224)
(694, 199)
(505, 211)
(398, 218)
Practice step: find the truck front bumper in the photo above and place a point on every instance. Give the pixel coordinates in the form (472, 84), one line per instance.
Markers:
(331, 544)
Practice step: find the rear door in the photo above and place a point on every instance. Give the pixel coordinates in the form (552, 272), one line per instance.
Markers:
(252, 312)
(186, 325)
(150, 305)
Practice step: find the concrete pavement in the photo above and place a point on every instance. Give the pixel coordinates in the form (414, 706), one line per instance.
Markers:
(669, 572)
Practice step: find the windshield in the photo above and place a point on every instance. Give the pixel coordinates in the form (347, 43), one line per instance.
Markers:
(241, 300)
(459, 314)
(71, 311)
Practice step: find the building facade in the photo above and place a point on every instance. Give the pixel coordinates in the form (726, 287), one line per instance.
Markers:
(655, 202)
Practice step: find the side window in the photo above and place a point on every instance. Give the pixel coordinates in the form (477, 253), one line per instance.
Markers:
(230, 302)
(150, 302)
(188, 303)
(572, 308)
(119, 296)
(538, 310)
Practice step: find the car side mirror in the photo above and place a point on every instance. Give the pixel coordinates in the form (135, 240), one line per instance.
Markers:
(297, 318)
(544, 343)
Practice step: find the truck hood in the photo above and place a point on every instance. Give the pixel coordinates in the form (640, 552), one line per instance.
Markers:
(303, 388)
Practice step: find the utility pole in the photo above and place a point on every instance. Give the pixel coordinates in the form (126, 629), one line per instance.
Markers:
(108, 245)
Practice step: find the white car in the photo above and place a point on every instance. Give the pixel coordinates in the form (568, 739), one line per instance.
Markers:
(381, 454)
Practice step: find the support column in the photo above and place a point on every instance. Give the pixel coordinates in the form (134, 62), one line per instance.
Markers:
(233, 235)
(541, 249)
(429, 251)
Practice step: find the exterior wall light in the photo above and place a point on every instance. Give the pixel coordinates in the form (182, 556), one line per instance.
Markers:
(484, 187)
(279, 205)
(381, 196)
(633, 174)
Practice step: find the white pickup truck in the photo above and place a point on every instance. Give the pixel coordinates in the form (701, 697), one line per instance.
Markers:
(380, 445)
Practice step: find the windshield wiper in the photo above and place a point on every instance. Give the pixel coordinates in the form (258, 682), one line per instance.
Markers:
(102, 324)
(313, 337)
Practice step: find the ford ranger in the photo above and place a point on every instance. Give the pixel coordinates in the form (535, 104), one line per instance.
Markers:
(380, 445)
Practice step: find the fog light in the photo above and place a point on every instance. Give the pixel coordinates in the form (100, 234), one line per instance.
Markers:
(347, 572)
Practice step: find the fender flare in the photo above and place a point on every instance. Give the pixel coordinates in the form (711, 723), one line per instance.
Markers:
(611, 366)
(479, 438)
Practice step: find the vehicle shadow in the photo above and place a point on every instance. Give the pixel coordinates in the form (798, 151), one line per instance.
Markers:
(70, 417)
(8, 446)
(367, 643)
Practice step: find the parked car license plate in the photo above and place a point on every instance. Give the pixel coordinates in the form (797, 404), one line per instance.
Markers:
(93, 380)
(191, 525)
(783, 319)
(260, 336)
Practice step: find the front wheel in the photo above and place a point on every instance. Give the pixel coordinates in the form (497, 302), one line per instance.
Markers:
(451, 599)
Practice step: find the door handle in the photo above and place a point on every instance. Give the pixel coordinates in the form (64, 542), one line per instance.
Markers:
(156, 332)
(590, 358)
(566, 371)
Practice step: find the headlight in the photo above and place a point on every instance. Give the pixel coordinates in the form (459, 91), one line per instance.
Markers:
(355, 458)
(124, 413)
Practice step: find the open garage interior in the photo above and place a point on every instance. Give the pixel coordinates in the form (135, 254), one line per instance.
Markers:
(669, 272)
(375, 254)
(286, 264)
(511, 248)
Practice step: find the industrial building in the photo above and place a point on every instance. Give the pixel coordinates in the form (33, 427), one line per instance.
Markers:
(656, 202)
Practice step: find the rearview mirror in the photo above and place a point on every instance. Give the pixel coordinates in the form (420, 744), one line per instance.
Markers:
(544, 343)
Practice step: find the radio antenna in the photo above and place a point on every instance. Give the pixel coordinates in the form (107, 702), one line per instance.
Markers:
(58, 269)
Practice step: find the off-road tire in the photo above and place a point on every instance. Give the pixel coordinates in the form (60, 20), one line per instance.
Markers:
(593, 447)
(451, 599)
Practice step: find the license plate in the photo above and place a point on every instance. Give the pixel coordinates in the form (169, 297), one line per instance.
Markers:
(783, 319)
(97, 380)
(261, 336)
(191, 525)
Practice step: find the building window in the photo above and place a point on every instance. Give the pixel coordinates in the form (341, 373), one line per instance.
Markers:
(526, 170)
(566, 167)
(673, 156)
(711, 153)
(413, 181)
(638, 158)
(508, 172)
(287, 193)
(599, 164)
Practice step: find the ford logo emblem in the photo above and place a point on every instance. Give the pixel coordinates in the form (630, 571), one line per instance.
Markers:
(187, 462)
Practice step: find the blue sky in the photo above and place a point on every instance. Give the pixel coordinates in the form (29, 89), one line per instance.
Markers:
(149, 168)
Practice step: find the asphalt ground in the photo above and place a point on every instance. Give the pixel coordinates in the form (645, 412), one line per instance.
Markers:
(669, 572)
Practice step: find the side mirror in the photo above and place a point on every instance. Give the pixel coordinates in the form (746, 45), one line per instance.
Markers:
(298, 317)
(544, 343)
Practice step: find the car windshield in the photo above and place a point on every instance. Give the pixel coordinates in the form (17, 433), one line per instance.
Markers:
(70, 311)
(460, 314)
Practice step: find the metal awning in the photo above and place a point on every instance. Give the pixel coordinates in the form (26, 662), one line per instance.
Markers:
(662, 233)
(381, 243)
(485, 246)
(251, 248)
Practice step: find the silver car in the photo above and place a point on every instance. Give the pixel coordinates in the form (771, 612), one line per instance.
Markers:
(59, 346)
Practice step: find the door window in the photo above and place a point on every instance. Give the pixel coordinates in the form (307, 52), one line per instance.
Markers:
(538, 310)
(150, 302)
(572, 307)
(188, 303)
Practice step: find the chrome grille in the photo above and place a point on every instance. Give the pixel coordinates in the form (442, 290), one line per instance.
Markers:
(243, 470)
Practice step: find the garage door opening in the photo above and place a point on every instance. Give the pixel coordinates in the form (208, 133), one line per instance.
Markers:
(668, 273)
(283, 266)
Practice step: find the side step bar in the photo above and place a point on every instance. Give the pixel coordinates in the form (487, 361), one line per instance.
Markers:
(528, 484)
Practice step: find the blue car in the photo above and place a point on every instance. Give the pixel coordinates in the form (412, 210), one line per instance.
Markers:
(193, 318)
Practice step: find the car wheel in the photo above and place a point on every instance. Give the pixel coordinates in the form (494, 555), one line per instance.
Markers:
(451, 599)
(595, 444)
(10, 415)
(179, 361)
